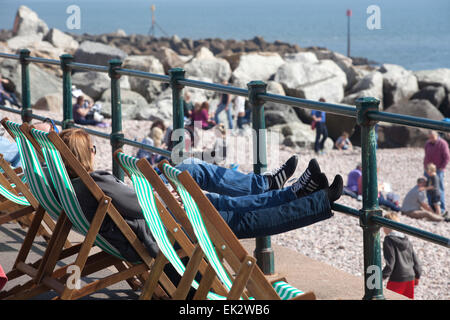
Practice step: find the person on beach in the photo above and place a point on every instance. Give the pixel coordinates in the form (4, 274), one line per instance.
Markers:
(225, 104)
(252, 205)
(353, 187)
(154, 139)
(83, 113)
(437, 153)
(415, 204)
(432, 188)
(201, 114)
(243, 115)
(8, 95)
(402, 266)
(343, 142)
(319, 118)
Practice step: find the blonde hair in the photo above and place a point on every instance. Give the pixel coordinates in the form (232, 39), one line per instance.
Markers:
(392, 216)
(80, 144)
(431, 167)
(157, 136)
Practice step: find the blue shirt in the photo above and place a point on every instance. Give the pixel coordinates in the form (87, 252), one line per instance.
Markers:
(319, 114)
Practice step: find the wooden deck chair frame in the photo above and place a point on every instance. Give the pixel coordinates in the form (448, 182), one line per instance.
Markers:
(166, 230)
(41, 223)
(41, 272)
(248, 276)
(56, 279)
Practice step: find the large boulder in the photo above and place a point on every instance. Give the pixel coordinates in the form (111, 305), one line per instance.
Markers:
(436, 77)
(257, 66)
(92, 83)
(395, 136)
(302, 57)
(38, 76)
(435, 95)
(61, 40)
(345, 63)
(398, 84)
(205, 64)
(323, 79)
(169, 59)
(299, 135)
(97, 53)
(369, 86)
(51, 102)
(132, 103)
(27, 23)
(445, 106)
(149, 89)
(276, 113)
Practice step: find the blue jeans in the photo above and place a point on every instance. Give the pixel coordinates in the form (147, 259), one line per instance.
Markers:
(245, 203)
(440, 174)
(321, 131)
(219, 109)
(10, 152)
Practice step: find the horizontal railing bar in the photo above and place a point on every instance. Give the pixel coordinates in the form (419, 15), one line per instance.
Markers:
(146, 147)
(87, 67)
(409, 120)
(94, 132)
(309, 104)
(143, 74)
(214, 87)
(43, 60)
(347, 210)
(5, 108)
(9, 56)
(437, 239)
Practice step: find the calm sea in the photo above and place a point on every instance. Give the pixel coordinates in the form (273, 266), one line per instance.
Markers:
(411, 33)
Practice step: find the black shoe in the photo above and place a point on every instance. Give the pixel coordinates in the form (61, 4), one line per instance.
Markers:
(310, 181)
(278, 177)
(335, 189)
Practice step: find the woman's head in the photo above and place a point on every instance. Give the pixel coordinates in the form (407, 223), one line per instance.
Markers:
(80, 100)
(205, 105)
(80, 143)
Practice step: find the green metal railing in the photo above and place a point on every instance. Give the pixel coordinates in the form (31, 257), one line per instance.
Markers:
(366, 112)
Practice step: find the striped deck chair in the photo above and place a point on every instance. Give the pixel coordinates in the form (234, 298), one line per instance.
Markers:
(19, 203)
(166, 231)
(41, 199)
(215, 236)
(54, 151)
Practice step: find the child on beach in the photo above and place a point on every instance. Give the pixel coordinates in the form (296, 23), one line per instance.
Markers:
(402, 266)
(433, 193)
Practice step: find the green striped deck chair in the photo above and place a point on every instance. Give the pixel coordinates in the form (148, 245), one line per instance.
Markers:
(214, 236)
(164, 232)
(54, 151)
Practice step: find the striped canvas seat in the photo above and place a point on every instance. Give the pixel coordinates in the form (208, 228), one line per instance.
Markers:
(146, 198)
(283, 289)
(66, 192)
(5, 192)
(37, 181)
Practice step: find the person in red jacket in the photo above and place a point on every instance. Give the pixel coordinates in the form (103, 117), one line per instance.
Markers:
(437, 153)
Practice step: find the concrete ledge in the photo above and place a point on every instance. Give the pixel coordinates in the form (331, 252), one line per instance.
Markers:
(327, 282)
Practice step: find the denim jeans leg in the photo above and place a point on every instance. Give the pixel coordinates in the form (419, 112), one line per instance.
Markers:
(242, 204)
(216, 179)
(440, 174)
(230, 117)
(219, 109)
(289, 216)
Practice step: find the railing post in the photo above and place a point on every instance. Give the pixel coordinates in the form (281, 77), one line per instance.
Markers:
(373, 281)
(67, 90)
(26, 98)
(116, 115)
(177, 114)
(263, 250)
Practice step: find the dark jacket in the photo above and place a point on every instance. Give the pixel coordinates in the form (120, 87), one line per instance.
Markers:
(125, 200)
(401, 261)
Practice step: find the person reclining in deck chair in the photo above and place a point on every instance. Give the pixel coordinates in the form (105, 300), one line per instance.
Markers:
(252, 205)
